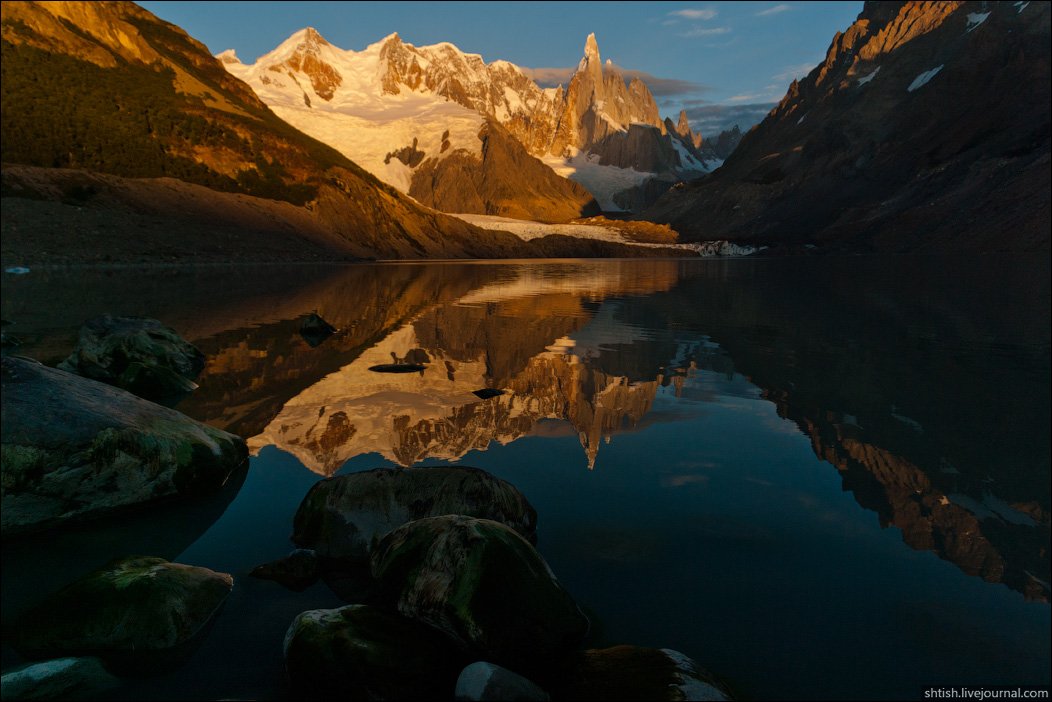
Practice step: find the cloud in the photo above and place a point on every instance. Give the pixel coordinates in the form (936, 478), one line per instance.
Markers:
(705, 32)
(659, 87)
(790, 73)
(549, 77)
(694, 14)
(777, 9)
(710, 120)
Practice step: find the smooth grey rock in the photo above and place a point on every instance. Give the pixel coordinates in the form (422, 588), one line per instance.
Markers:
(74, 448)
(358, 652)
(136, 604)
(138, 354)
(481, 583)
(57, 679)
(483, 681)
(343, 517)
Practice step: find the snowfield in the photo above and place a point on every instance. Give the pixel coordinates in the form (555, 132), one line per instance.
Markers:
(360, 121)
(527, 230)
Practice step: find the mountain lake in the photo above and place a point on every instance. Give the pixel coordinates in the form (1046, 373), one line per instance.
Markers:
(821, 478)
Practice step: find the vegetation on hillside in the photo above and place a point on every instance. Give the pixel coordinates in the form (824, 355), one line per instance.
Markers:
(58, 111)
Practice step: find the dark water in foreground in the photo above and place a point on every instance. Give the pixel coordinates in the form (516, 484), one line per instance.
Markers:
(821, 478)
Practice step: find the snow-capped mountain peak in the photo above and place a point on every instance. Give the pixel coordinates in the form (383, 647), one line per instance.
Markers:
(228, 56)
(400, 104)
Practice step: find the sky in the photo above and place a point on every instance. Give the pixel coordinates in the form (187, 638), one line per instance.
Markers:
(724, 62)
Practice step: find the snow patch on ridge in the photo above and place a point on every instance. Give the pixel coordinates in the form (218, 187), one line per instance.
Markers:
(603, 182)
(922, 80)
(975, 19)
(869, 77)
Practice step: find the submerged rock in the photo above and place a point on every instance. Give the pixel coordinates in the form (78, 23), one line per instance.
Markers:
(636, 673)
(343, 517)
(296, 571)
(361, 653)
(74, 448)
(58, 679)
(138, 354)
(138, 604)
(491, 683)
(315, 330)
(483, 584)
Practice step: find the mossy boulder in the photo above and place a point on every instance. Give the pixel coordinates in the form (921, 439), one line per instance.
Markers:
(635, 673)
(57, 679)
(134, 605)
(483, 584)
(358, 652)
(74, 449)
(345, 516)
(138, 354)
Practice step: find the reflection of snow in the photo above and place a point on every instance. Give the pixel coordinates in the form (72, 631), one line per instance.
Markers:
(991, 508)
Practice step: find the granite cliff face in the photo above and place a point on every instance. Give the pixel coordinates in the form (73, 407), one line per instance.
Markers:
(926, 127)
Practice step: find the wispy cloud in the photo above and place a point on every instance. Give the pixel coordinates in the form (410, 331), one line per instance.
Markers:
(549, 77)
(710, 120)
(777, 9)
(789, 73)
(694, 14)
(659, 87)
(695, 32)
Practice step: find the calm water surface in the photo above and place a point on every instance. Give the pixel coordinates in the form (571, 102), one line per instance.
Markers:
(821, 478)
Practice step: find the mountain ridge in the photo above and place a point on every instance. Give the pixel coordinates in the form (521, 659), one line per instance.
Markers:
(597, 122)
(926, 127)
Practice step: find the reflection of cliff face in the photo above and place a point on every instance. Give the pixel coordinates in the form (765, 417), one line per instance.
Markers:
(929, 397)
(433, 414)
(257, 360)
(988, 538)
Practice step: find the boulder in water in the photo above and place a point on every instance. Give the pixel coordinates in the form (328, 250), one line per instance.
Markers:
(135, 605)
(138, 354)
(358, 652)
(484, 585)
(344, 516)
(75, 449)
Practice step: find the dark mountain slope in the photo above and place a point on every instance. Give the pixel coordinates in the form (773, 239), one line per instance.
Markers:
(925, 128)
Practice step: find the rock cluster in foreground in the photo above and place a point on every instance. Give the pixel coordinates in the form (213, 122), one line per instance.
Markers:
(463, 604)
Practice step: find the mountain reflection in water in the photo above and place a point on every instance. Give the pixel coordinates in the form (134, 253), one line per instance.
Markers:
(923, 382)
